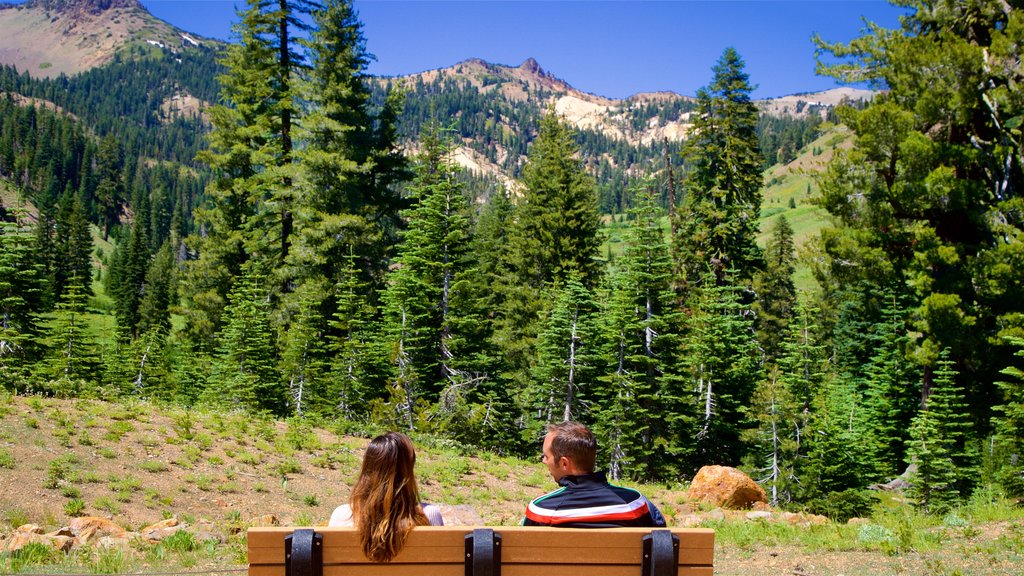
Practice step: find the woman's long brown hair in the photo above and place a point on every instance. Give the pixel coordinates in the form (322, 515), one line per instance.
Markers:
(385, 499)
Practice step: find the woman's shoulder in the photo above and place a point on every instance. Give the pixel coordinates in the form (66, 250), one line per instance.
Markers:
(433, 514)
(342, 516)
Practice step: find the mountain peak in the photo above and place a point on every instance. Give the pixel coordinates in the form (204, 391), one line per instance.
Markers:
(82, 6)
(531, 65)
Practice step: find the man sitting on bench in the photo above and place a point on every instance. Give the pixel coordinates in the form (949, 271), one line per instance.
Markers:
(585, 499)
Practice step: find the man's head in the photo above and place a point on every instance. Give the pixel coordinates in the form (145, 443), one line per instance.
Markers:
(569, 450)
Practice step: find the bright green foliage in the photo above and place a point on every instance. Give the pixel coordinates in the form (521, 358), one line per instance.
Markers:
(71, 362)
(557, 223)
(127, 279)
(244, 372)
(154, 308)
(636, 410)
(429, 296)
(350, 161)
(65, 245)
(566, 349)
(720, 357)
(943, 444)
(776, 292)
(350, 348)
(1009, 426)
(717, 222)
(891, 391)
(776, 439)
(783, 402)
(835, 460)
(304, 362)
(21, 298)
(928, 199)
(249, 149)
(554, 232)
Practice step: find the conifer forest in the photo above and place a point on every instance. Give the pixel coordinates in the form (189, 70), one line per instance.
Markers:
(310, 249)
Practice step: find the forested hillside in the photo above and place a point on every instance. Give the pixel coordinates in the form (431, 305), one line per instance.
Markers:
(280, 253)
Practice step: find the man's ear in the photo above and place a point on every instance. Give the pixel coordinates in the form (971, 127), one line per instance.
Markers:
(564, 463)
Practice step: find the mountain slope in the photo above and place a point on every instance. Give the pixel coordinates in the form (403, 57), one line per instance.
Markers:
(52, 37)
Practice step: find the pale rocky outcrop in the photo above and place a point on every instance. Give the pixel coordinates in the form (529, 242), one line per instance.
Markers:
(727, 487)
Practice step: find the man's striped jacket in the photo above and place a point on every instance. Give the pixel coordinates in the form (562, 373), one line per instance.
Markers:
(589, 501)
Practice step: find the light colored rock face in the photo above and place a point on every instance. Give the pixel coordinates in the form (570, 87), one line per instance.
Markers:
(726, 487)
(88, 528)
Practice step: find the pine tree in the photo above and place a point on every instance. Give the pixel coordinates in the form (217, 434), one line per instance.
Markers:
(554, 232)
(128, 279)
(1009, 426)
(350, 348)
(776, 440)
(920, 200)
(642, 327)
(350, 160)
(566, 348)
(21, 297)
(71, 363)
(722, 371)
(775, 289)
(303, 361)
(943, 443)
(244, 373)
(158, 295)
(717, 222)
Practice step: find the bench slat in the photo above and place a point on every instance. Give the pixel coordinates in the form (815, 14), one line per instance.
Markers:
(460, 570)
(526, 551)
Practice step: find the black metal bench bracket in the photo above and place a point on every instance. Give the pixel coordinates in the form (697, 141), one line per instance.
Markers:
(483, 553)
(661, 554)
(304, 553)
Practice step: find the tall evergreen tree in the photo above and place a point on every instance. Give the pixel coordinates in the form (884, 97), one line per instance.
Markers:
(554, 232)
(637, 408)
(566, 350)
(775, 289)
(72, 364)
(21, 297)
(1009, 426)
(244, 372)
(717, 222)
(924, 199)
(721, 371)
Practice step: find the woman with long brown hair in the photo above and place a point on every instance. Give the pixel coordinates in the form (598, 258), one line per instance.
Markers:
(385, 503)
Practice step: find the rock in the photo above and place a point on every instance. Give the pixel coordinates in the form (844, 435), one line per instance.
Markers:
(855, 521)
(459, 515)
(118, 542)
(727, 487)
(759, 515)
(88, 528)
(803, 519)
(29, 529)
(19, 540)
(204, 535)
(65, 531)
(718, 515)
(265, 520)
(163, 529)
(688, 521)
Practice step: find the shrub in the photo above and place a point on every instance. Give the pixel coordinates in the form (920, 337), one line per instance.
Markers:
(153, 466)
(289, 466)
(841, 506)
(6, 460)
(180, 541)
(74, 507)
(70, 492)
(311, 500)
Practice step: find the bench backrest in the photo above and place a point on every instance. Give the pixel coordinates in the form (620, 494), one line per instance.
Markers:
(519, 551)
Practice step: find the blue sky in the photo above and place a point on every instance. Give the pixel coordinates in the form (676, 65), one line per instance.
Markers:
(609, 48)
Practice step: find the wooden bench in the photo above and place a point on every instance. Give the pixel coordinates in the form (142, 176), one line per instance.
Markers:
(493, 551)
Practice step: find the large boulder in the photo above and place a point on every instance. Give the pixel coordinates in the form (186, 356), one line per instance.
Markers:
(88, 528)
(726, 487)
